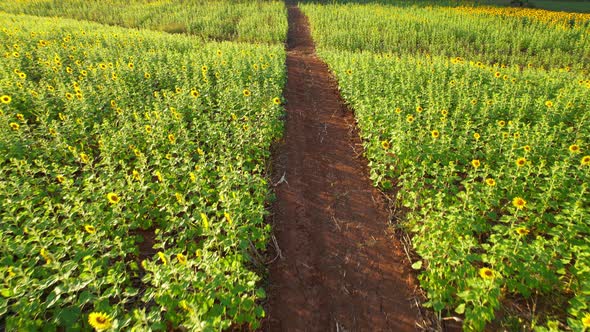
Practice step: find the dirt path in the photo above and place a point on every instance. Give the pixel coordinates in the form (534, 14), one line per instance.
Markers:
(343, 269)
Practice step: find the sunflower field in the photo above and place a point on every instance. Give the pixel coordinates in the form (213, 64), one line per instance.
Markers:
(132, 175)
(478, 122)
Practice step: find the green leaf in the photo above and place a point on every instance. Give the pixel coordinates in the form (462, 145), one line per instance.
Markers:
(460, 309)
(6, 292)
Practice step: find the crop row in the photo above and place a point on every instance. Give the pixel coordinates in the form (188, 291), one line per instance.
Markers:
(491, 161)
(132, 184)
(247, 21)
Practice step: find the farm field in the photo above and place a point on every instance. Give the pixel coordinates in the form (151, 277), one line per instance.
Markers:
(135, 165)
(478, 118)
(133, 170)
(239, 20)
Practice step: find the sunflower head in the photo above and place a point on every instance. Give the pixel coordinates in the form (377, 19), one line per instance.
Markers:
(519, 203)
(522, 231)
(486, 273)
(14, 126)
(574, 148)
(586, 320)
(490, 182)
(276, 101)
(549, 103)
(435, 134)
(5, 99)
(247, 93)
(100, 321)
(90, 229)
(113, 198)
(585, 160)
(520, 162)
(385, 144)
(181, 259)
(475, 163)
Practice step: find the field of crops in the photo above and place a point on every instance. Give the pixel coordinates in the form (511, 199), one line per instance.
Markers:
(480, 117)
(237, 20)
(132, 168)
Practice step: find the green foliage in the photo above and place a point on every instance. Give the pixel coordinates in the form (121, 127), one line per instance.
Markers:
(492, 160)
(132, 175)
(251, 21)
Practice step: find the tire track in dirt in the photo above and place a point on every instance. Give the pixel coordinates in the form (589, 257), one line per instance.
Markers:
(343, 268)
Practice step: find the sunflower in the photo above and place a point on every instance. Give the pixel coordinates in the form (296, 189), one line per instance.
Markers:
(89, 229)
(219, 53)
(585, 160)
(349, 71)
(486, 273)
(490, 182)
(14, 126)
(549, 103)
(501, 123)
(69, 96)
(519, 203)
(60, 178)
(5, 99)
(520, 162)
(527, 148)
(84, 158)
(100, 321)
(435, 133)
(247, 93)
(586, 320)
(171, 138)
(398, 110)
(130, 65)
(522, 231)
(113, 198)
(192, 176)
(419, 109)
(148, 129)
(194, 93)
(147, 75)
(179, 198)
(181, 259)
(574, 148)
(410, 118)
(159, 176)
(476, 163)
(163, 257)
(277, 101)
(497, 74)
(476, 136)
(385, 144)
(102, 66)
(136, 175)
(444, 112)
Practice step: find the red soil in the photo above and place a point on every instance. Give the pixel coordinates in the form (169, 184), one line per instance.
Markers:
(343, 269)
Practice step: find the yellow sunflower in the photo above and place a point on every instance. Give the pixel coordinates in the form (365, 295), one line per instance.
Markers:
(490, 182)
(585, 160)
(519, 203)
(113, 198)
(476, 163)
(486, 273)
(100, 321)
(522, 231)
(89, 229)
(574, 148)
(5, 99)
